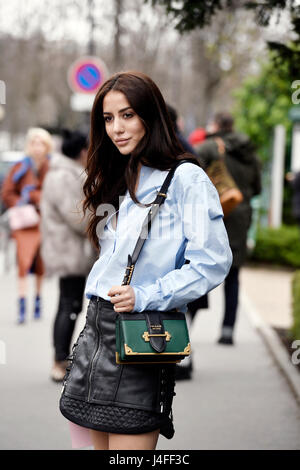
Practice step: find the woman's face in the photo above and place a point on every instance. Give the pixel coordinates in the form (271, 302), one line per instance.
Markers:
(37, 148)
(123, 126)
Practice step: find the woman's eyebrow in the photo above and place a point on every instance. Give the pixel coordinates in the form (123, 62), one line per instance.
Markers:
(120, 111)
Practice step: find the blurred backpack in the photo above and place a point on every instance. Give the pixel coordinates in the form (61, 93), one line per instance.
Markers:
(229, 193)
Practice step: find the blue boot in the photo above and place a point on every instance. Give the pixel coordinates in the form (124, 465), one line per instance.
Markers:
(22, 310)
(37, 307)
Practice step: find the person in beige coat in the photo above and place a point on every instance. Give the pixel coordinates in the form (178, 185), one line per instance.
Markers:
(66, 251)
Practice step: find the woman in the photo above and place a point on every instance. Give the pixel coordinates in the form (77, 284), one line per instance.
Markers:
(132, 147)
(65, 249)
(23, 185)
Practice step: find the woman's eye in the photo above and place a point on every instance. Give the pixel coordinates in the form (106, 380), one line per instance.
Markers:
(127, 115)
(107, 118)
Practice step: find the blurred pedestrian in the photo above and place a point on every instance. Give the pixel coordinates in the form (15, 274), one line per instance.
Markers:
(132, 149)
(174, 118)
(244, 167)
(184, 369)
(66, 251)
(197, 137)
(22, 187)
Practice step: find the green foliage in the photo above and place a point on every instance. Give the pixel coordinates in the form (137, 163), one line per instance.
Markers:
(278, 246)
(289, 54)
(261, 103)
(192, 14)
(263, 100)
(295, 330)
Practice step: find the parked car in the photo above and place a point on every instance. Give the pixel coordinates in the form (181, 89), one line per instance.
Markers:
(7, 159)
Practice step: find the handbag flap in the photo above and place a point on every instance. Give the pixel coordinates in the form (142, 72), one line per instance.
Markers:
(156, 331)
(133, 336)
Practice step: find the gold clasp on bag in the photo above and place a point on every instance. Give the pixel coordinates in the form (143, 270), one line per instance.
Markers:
(146, 336)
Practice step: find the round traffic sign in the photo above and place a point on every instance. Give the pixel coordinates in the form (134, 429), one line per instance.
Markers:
(87, 74)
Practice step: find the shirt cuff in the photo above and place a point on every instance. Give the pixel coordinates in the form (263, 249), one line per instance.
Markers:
(145, 295)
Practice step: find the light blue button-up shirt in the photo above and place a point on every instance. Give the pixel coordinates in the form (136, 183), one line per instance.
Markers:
(189, 226)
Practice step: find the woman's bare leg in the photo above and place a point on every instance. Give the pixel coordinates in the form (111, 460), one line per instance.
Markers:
(99, 439)
(145, 441)
(38, 283)
(22, 286)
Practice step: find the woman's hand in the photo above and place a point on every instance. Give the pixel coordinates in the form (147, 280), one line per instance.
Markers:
(123, 298)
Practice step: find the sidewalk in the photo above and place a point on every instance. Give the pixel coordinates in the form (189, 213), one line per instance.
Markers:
(238, 398)
(270, 291)
(267, 294)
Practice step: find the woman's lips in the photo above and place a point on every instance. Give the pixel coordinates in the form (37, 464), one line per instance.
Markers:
(122, 141)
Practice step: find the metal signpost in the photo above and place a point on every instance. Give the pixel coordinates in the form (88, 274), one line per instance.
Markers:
(277, 177)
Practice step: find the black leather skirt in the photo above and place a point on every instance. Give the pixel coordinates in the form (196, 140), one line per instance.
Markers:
(100, 394)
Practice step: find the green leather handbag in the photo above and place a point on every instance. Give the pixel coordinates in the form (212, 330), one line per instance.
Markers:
(151, 336)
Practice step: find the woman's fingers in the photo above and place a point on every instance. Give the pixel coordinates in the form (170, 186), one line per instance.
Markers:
(122, 297)
(123, 303)
(123, 309)
(124, 306)
(115, 290)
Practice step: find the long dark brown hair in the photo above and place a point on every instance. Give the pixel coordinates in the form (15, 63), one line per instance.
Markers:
(109, 173)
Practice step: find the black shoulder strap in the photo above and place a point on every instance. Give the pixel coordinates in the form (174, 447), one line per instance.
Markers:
(160, 199)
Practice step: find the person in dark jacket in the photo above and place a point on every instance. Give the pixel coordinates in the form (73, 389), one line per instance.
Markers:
(184, 369)
(244, 167)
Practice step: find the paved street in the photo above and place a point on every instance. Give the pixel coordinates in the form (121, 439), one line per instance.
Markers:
(237, 399)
